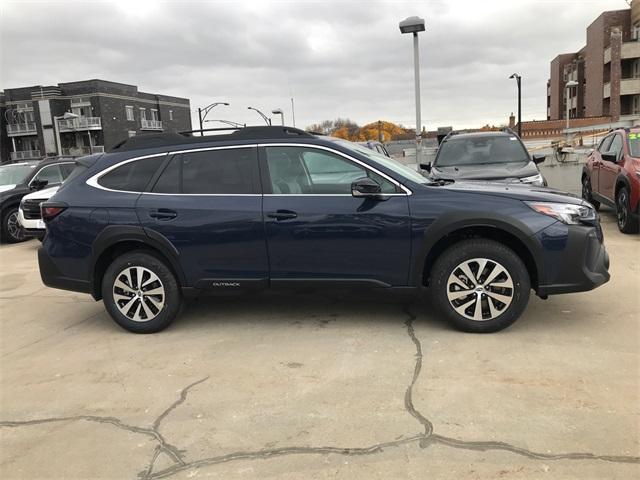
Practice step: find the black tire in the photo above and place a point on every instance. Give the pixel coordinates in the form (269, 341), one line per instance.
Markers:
(499, 315)
(587, 192)
(149, 265)
(626, 222)
(11, 231)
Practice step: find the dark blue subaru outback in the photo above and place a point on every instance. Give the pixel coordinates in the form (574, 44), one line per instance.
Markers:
(166, 217)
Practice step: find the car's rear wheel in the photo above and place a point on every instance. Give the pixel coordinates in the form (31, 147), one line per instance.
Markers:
(140, 292)
(12, 231)
(587, 192)
(480, 285)
(626, 222)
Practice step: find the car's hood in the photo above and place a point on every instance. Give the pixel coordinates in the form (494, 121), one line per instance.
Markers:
(43, 194)
(4, 188)
(492, 171)
(517, 191)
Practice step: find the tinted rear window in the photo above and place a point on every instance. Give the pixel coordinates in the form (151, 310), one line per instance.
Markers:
(133, 176)
(225, 171)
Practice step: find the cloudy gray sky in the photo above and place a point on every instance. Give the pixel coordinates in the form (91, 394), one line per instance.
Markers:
(337, 59)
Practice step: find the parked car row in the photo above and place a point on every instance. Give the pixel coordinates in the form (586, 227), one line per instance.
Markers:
(166, 217)
(18, 180)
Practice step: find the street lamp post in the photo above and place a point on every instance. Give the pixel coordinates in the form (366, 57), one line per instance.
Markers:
(518, 81)
(206, 111)
(278, 111)
(266, 119)
(229, 122)
(567, 87)
(414, 25)
(56, 129)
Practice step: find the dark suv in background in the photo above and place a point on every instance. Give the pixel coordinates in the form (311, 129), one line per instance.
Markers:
(612, 176)
(486, 156)
(162, 218)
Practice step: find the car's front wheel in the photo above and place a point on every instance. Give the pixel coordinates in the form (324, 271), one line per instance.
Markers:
(587, 192)
(11, 231)
(140, 292)
(627, 223)
(480, 285)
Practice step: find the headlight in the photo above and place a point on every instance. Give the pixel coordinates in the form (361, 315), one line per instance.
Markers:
(565, 212)
(534, 179)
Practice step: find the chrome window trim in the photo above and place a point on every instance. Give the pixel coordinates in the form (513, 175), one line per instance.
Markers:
(93, 180)
(348, 157)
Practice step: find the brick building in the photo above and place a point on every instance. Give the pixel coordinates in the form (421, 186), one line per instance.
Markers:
(607, 70)
(78, 118)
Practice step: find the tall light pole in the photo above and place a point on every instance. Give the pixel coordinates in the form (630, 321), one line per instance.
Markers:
(414, 25)
(266, 119)
(206, 111)
(278, 111)
(293, 112)
(567, 87)
(518, 81)
(56, 129)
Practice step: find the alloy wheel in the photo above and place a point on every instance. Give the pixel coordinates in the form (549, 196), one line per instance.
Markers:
(622, 209)
(13, 227)
(480, 289)
(138, 293)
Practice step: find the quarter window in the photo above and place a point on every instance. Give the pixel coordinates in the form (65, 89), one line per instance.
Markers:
(604, 144)
(223, 171)
(133, 176)
(300, 170)
(616, 146)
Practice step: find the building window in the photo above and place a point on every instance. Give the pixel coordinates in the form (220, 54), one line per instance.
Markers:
(129, 111)
(170, 114)
(635, 32)
(143, 114)
(635, 105)
(154, 115)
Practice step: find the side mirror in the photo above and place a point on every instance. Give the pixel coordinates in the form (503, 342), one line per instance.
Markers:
(365, 187)
(426, 166)
(610, 156)
(538, 158)
(39, 184)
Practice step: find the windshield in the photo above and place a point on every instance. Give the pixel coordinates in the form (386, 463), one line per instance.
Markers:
(383, 161)
(634, 144)
(15, 174)
(481, 150)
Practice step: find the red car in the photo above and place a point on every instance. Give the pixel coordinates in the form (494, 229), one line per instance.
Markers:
(612, 176)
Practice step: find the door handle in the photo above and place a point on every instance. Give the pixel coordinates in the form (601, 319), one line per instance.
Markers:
(163, 214)
(283, 215)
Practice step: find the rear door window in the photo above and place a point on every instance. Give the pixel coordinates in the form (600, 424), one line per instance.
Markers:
(213, 172)
(132, 176)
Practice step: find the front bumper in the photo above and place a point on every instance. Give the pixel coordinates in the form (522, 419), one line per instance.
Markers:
(31, 227)
(575, 259)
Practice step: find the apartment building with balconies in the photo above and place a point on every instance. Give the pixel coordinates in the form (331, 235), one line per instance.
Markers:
(79, 118)
(606, 70)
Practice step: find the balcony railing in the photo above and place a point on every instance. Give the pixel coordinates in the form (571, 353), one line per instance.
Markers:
(80, 123)
(28, 128)
(80, 151)
(151, 124)
(25, 155)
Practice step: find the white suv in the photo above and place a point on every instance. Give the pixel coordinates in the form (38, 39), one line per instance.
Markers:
(29, 215)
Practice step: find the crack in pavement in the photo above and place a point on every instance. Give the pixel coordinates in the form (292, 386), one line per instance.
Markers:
(163, 446)
(424, 439)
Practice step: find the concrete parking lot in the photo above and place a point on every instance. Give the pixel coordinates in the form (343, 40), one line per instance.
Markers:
(325, 385)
